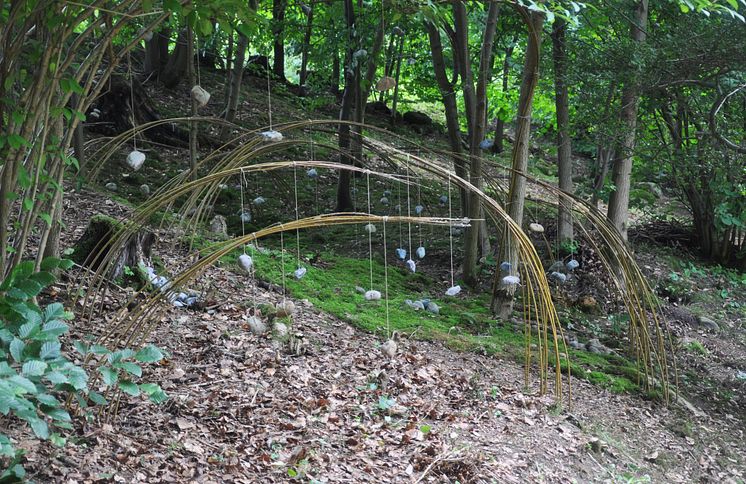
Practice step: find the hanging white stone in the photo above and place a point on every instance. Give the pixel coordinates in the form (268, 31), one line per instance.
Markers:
(536, 227)
(145, 189)
(245, 217)
(486, 144)
(418, 209)
(312, 173)
(505, 266)
(443, 199)
(135, 159)
(411, 265)
(200, 95)
(285, 308)
(259, 201)
(511, 280)
(572, 265)
(306, 9)
(256, 325)
(300, 272)
(387, 193)
(372, 295)
(95, 113)
(370, 228)
(389, 348)
(271, 135)
(148, 36)
(384, 201)
(401, 253)
(246, 262)
(558, 276)
(453, 290)
(420, 252)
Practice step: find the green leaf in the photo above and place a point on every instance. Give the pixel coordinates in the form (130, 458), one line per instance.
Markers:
(154, 392)
(97, 398)
(50, 263)
(58, 414)
(53, 311)
(129, 388)
(40, 428)
(80, 347)
(56, 378)
(57, 440)
(23, 384)
(149, 354)
(43, 278)
(16, 349)
(48, 400)
(131, 368)
(109, 375)
(54, 328)
(49, 350)
(30, 287)
(34, 368)
(29, 329)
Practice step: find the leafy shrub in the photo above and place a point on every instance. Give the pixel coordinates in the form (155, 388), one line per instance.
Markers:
(36, 378)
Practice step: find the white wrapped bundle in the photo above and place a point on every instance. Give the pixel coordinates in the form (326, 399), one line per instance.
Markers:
(420, 252)
(453, 290)
(201, 96)
(411, 265)
(373, 295)
(246, 262)
(271, 135)
(135, 159)
(300, 272)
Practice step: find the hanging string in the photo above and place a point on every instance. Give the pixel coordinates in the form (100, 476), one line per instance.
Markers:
(199, 79)
(282, 262)
(370, 234)
(295, 191)
(398, 201)
(243, 224)
(269, 99)
(450, 226)
(419, 202)
(409, 214)
(386, 279)
(132, 101)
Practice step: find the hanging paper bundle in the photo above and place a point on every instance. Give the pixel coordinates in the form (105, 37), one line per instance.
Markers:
(148, 36)
(384, 201)
(389, 348)
(312, 173)
(145, 190)
(271, 135)
(411, 265)
(387, 193)
(201, 96)
(135, 159)
(511, 280)
(306, 9)
(453, 290)
(572, 265)
(246, 262)
(299, 273)
(536, 227)
(370, 228)
(420, 252)
(372, 295)
(245, 217)
(443, 200)
(401, 253)
(418, 209)
(486, 144)
(259, 201)
(385, 83)
(505, 266)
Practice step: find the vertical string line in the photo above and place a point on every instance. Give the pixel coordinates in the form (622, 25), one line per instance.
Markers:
(297, 230)
(269, 98)
(132, 101)
(450, 226)
(243, 224)
(386, 279)
(282, 261)
(370, 234)
(409, 213)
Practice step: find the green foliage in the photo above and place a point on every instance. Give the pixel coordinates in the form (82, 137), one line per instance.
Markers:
(35, 375)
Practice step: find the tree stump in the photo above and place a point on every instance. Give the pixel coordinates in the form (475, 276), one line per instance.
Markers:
(97, 242)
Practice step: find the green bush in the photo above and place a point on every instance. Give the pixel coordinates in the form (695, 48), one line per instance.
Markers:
(36, 378)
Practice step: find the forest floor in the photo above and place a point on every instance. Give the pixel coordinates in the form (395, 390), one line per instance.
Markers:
(245, 408)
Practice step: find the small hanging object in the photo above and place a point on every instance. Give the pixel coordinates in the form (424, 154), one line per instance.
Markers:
(306, 9)
(418, 209)
(271, 135)
(370, 228)
(389, 348)
(145, 190)
(245, 217)
(420, 252)
(300, 272)
(201, 96)
(285, 308)
(312, 173)
(558, 276)
(443, 200)
(505, 266)
(455, 231)
(256, 325)
(359, 54)
(387, 193)
(372, 295)
(397, 208)
(411, 61)
(486, 144)
(411, 265)
(397, 30)
(135, 159)
(572, 265)
(95, 113)
(111, 186)
(148, 36)
(401, 253)
(246, 262)
(384, 201)
(511, 280)
(535, 227)
(385, 83)
(453, 290)
(260, 201)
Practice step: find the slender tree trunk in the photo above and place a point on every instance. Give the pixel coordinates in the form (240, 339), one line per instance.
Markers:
(234, 91)
(448, 94)
(502, 300)
(497, 146)
(336, 67)
(618, 212)
(176, 67)
(304, 54)
(461, 50)
(156, 52)
(564, 148)
(278, 21)
(476, 135)
(192, 75)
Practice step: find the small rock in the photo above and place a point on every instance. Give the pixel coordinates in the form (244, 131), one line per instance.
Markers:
(218, 225)
(389, 348)
(708, 324)
(433, 308)
(280, 330)
(285, 308)
(256, 325)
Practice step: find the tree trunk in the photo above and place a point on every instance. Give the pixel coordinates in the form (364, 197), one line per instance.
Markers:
(476, 135)
(234, 91)
(463, 60)
(304, 54)
(344, 200)
(448, 95)
(564, 148)
(334, 88)
(502, 300)
(176, 67)
(497, 146)
(193, 111)
(618, 212)
(156, 52)
(278, 30)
